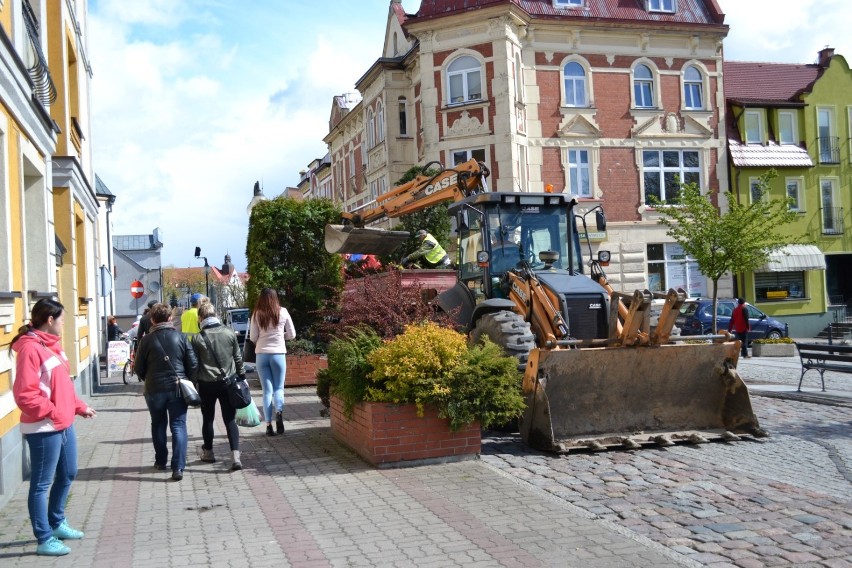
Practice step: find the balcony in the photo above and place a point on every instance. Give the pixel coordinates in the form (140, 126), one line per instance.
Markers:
(832, 220)
(829, 149)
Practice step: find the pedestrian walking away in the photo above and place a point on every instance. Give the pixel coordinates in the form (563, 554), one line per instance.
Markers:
(44, 392)
(163, 357)
(270, 326)
(189, 318)
(219, 358)
(740, 326)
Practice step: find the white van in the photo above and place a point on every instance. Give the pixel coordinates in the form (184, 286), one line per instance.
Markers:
(238, 319)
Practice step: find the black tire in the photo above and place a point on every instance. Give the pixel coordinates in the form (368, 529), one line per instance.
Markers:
(508, 330)
(126, 372)
(774, 334)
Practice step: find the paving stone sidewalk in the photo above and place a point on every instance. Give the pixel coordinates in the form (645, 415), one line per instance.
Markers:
(302, 500)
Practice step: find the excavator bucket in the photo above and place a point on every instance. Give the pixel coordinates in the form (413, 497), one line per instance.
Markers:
(346, 239)
(603, 397)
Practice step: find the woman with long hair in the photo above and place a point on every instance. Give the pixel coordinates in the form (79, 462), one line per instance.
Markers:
(44, 391)
(270, 326)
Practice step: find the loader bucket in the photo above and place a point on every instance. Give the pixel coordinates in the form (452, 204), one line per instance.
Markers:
(631, 396)
(345, 239)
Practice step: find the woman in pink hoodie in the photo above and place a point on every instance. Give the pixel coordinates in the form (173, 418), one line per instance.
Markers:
(45, 393)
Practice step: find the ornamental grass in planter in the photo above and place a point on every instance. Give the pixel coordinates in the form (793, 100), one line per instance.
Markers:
(422, 395)
(783, 347)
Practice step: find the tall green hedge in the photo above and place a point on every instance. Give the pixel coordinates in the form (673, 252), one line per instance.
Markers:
(286, 251)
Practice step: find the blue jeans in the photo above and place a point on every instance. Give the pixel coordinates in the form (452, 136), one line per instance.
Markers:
(272, 368)
(53, 466)
(168, 407)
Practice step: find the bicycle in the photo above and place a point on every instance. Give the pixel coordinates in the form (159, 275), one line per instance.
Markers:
(127, 372)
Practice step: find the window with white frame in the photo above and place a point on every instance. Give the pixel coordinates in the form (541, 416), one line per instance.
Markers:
(787, 127)
(794, 193)
(352, 164)
(577, 163)
(371, 129)
(403, 116)
(373, 189)
(754, 127)
(663, 172)
(464, 80)
(643, 86)
(661, 5)
(462, 156)
(693, 88)
(380, 122)
(828, 143)
(832, 214)
(519, 79)
(574, 77)
(670, 267)
(567, 3)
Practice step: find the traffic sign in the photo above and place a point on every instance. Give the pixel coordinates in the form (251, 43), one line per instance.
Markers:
(137, 290)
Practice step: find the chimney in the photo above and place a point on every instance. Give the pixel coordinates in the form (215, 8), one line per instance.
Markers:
(825, 56)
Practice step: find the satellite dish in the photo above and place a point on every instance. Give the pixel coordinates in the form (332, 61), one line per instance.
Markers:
(154, 286)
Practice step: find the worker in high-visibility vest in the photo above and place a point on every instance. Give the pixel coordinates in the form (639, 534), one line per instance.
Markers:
(431, 252)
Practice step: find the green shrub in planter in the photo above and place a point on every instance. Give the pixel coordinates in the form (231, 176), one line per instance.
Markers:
(347, 368)
(768, 341)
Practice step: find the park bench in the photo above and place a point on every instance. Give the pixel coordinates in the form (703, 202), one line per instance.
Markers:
(823, 357)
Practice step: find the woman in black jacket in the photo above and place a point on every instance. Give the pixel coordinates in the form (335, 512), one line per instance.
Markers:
(164, 355)
(219, 357)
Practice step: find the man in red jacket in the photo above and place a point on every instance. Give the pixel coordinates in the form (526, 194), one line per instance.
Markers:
(740, 326)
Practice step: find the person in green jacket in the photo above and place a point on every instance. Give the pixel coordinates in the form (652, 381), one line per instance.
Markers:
(431, 252)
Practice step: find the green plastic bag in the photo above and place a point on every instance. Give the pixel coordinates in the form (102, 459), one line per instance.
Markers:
(249, 416)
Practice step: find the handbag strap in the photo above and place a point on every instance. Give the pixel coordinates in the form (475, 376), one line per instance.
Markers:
(215, 357)
(165, 357)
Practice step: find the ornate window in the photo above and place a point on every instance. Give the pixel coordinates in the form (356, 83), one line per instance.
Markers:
(664, 171)
(464, 80)
(371, 129)
(643, 87)
(579, 183)
(574, 77)
(693, 88)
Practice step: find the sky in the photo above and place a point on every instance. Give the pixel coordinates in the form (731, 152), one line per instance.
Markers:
(195, 100)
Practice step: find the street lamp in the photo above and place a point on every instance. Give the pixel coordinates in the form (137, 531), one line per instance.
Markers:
(206, 271)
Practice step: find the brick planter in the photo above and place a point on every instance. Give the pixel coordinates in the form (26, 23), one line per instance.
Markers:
(302, 369)
(392, 435)
(773, 349)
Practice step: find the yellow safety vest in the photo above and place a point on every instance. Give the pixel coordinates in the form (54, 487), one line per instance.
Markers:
(437, 254)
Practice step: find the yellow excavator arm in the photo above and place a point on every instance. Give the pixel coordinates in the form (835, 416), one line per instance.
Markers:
(450, 184)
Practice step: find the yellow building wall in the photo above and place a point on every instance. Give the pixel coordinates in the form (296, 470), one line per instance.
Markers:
(6, 18)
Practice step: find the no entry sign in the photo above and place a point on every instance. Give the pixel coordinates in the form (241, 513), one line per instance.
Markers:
(137, 290)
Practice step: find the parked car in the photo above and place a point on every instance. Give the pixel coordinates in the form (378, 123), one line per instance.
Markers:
(696, 318)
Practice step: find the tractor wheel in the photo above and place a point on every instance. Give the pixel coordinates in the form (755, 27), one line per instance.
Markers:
(508, 330)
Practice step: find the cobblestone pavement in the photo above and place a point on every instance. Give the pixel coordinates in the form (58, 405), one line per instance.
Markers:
(781, 501)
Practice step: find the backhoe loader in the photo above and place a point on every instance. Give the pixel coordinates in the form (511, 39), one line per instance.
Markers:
(595, 375)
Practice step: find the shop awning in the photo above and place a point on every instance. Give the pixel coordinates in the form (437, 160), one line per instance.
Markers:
(795, 258)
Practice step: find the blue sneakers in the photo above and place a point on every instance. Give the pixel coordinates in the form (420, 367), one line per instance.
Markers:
(52, 547)
(65, 532)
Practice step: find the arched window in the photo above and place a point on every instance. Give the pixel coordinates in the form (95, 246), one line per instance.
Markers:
(575, 85)
(371, 128)
(693, 88)
(643, 86)
(464, 80)
(380, 122)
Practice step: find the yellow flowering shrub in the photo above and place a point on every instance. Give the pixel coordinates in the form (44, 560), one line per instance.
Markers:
(413, 365)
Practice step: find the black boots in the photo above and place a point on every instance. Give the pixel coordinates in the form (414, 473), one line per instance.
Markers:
(269, 430)
(279, 423)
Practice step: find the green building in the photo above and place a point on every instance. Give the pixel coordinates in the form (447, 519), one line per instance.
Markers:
(796, 119)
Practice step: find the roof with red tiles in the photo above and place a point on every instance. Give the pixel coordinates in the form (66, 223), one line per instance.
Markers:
(772, 155)
(688, 11)
(757, 83)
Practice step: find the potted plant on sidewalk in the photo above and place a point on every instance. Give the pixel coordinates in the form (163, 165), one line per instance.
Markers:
(424, 395)
(783, 347)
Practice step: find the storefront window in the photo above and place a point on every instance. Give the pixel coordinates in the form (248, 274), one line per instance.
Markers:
(669, 267)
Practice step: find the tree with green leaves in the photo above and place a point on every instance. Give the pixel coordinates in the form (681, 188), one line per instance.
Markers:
(737, 241)
(433, 219)
(286, 251)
